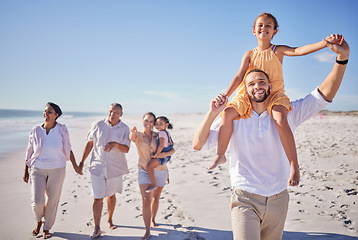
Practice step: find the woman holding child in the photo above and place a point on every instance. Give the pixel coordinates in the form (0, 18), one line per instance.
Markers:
(47, 152)
(146, 142)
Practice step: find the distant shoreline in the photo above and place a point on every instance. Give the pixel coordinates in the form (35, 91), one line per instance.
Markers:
(129, 114)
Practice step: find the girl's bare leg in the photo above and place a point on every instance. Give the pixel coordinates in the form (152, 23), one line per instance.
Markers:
(225, 132)
(279, 115)
(152, 164)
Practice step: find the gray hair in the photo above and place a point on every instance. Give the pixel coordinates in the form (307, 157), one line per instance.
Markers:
(117, 105)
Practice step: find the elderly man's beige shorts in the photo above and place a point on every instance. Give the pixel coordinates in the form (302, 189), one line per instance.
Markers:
(106, 187)
(256, 217)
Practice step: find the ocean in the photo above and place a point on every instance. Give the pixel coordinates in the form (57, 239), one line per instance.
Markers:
(15, 126)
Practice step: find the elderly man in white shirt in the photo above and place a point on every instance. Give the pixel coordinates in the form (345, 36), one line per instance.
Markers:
(109, 139)
(259, 168)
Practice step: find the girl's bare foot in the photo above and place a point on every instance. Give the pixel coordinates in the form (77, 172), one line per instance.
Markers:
(219, 159)
(36, 230)
(47, 234)
(154, 224)
(294, 179)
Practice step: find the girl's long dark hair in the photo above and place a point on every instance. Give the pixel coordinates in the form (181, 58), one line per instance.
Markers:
(166, 120)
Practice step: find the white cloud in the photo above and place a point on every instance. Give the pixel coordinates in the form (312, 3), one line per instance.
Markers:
(325, 57)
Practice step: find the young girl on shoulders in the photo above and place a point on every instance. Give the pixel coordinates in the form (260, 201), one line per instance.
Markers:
(266, 57)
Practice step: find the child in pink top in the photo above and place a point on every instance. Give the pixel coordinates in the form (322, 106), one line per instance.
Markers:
(164, 144)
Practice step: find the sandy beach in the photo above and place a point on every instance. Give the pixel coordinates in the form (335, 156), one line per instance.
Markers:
(195, 205)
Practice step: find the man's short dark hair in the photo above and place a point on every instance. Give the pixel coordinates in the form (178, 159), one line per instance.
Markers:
(258, 70)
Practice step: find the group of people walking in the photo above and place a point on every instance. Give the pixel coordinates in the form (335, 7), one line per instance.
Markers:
(263, 156)
(108, 141)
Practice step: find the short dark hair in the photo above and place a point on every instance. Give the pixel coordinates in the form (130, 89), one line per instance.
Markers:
(258, 70)
(56, 108)
(166, 120)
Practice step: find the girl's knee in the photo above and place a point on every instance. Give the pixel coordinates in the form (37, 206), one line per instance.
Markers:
(152, 164)
(279, 114)
(281, 122)
(230, 113)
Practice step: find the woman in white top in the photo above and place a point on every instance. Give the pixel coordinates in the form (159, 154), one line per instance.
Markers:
(48, 150)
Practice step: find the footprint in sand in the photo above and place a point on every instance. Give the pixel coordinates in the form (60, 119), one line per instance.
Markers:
(168, 216)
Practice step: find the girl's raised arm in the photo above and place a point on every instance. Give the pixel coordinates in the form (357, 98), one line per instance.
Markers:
(245, 62)
(283, 50)
(300, 51)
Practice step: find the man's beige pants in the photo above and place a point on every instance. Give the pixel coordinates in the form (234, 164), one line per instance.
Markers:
(255, 217)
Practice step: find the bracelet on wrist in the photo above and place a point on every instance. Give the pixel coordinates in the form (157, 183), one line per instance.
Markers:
(344, 62)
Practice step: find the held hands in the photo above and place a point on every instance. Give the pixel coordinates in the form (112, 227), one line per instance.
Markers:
(78, 169)
(338, 45)
(336, 39)
(218, 104)
(81, 166)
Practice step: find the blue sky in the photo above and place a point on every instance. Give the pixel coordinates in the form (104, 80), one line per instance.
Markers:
(162, 56)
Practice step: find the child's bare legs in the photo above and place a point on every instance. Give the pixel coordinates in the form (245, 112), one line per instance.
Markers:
(279, 114)
(225, 131)
(152, 164)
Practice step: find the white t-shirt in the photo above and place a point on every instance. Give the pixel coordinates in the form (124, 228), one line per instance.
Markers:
(258, 163)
